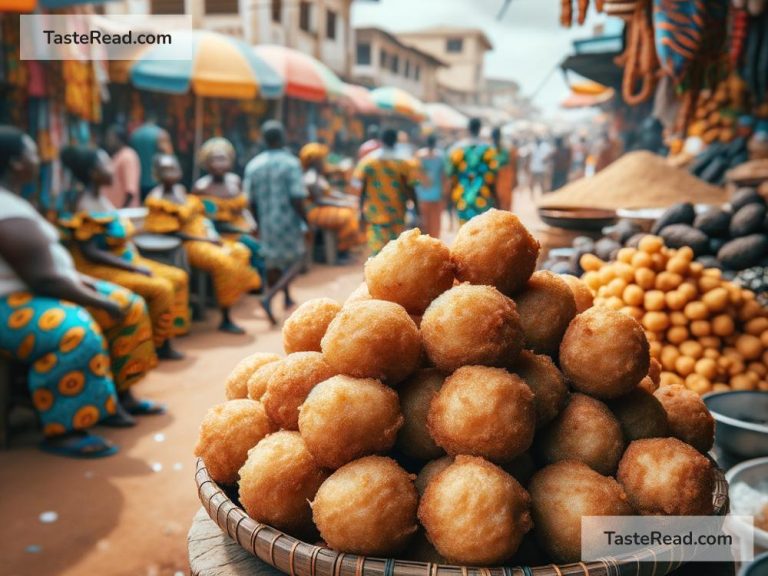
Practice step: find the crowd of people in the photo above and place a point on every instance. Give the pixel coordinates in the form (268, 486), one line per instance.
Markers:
(88, 315)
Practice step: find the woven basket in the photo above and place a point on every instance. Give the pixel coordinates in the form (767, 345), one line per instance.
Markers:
(298, 558)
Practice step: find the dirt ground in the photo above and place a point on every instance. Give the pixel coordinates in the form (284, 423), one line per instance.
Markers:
(129, 514)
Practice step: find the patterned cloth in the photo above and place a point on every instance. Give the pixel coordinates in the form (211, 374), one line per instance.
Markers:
(384, 179)
(433, 175)
(228, 265)
(69, 365)
(166, 291)
(473, 166)
(272, 180)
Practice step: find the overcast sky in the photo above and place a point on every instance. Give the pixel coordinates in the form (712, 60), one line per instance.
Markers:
(529, 42)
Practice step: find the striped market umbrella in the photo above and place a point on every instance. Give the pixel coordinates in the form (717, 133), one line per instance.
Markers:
(209, 64)
(399, 101)
(444, 117)
(305, 77)
(360, 99)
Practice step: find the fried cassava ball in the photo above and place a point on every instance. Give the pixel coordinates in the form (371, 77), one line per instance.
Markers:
(345, 418)
(546, 306)
(416, 394)
(257, 383)
(688, 416)
(472, 325)
(305, 328)
(495, 249)
(482, 411)
(373, 339)
(586, 431)
(667, 477)
(582, 295)
(278, 480)
(561, 494)
(367, 507)
(411, 271)
(547, 382)
(236, 385)
(640, 414)
(227, 432)
(289, 385)
(475, 513)
(604, 353)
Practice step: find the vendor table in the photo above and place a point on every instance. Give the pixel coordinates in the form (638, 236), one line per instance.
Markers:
(213, 553)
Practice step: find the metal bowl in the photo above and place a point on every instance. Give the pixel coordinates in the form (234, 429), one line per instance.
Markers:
(742, 422)
(753, 473)
(584, 219)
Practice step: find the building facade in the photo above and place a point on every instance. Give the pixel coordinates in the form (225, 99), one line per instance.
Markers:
(462, 81)
(321, 28)
(382, 59)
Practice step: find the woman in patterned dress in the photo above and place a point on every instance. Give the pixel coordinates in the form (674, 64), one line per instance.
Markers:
(100, 242)
(172, 211)
(54, 320)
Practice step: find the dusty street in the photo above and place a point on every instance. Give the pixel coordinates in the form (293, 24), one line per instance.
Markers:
(129, 514)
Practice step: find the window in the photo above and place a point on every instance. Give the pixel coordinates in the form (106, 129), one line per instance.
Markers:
(394, 64)
(364, 53)
(305, 16)
(330, 25)
(221, 6)
(455, 45)
(167, 7)
(407, 69)
(417, 72)
(383, 59)
(277, 11)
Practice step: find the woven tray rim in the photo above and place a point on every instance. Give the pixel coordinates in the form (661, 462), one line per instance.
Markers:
(296, 558)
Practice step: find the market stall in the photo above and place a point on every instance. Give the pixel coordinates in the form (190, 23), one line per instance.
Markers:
(221, 67)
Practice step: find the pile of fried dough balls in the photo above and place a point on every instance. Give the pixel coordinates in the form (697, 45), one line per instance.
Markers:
(459, 408)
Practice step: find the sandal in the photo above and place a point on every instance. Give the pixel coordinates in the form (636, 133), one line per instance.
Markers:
(88, 446)
(145, 408)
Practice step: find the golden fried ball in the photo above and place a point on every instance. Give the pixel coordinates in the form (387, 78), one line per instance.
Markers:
(483, 411)
(665, 476)
(640, 414)
(411, 271)
(416, 393)
(430, 470)
(373, 339)
(227, 432)
(305, 328)
(604, 353)
(654, 373)
(367, 507)
(236, 385)
(582, 295)
(472, 325)
(547, 382)
(586, 431)
(689, 418)
(475, 513)
(345, 418)
(495, 249)
(277, 482)
(289, 385)
(546, 306)
(359, 294)
(561, 494)
(257, 383)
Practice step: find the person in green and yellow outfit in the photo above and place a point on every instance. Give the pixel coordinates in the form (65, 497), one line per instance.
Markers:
(472, 166)
(386, 183)
(100, 242)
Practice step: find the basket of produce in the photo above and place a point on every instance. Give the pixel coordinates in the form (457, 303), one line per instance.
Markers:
(458, 413)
